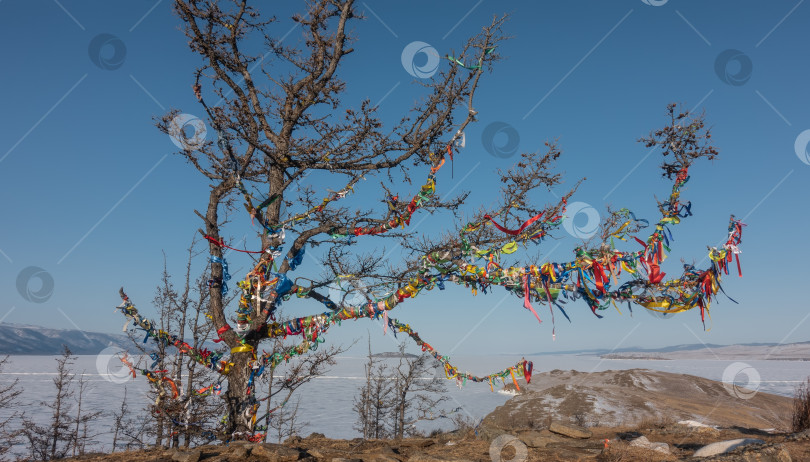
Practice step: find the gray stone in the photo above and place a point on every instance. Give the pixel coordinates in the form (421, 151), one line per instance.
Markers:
(644, 443)
(535, 439)
(800, 436)
(316, 453)
(383, 454)
(341, 459)
(571, 431)
(379, 458)
(488, 432)
(386, 450)
(755, 453)
(722, 447)
(276, 452)
(239, 452)
(187, 456)
(422, 457)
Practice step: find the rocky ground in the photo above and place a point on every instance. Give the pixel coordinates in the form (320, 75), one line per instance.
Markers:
(659, 442)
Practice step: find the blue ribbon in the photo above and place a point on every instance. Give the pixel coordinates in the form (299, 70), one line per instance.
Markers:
(225, 275)
(297, 259)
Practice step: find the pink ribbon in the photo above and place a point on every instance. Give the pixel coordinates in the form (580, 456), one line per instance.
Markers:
(381, 306)
(526, 303)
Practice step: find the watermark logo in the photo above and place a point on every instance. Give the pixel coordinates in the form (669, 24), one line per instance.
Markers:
(800, 146)
(500, 139)
(35, 284)
(187, 132)
(654, 2)
(107, 51)
(741, 380)
(583, 231)
(733, 67)
(425, 54)
(496, 449)
(111, 366)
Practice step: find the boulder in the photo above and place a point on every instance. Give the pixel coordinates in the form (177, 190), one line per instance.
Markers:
(571, 431)
(316, 453)
(800, 436)
(422, 457)
(755, 453)
(379, 458)
(722, 447)
(187, 456)
(383, 454)
(489, 432)
(239, 452)
(644, 443)
(535, 439)
(275, 453)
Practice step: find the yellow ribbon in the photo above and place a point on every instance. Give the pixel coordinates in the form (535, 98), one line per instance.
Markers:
(242, 349)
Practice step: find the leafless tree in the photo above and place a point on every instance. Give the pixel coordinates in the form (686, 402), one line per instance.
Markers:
(132, 430)
(9, 403)
(58, 438)
(284, 422)
(81, 436)
(374, 404)
(279, 117)
(283, 381)
(395, 398)
(178, 408)
(120, 418)
(417, 393)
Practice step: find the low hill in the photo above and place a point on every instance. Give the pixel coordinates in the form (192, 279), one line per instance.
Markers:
(628, 397)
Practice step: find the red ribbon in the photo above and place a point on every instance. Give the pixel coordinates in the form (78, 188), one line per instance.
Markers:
(514, 232)
(599, 276)
(656, 275)
(527, 370)
(221, 243)
(221, 331)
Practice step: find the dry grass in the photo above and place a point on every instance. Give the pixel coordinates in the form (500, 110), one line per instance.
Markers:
(656, 422)
(801, 408)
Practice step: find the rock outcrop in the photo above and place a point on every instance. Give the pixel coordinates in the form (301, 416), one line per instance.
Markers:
(628, 397)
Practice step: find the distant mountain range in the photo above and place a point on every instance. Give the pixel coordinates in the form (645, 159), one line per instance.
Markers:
(798, 351)
(22, 339)
(784, 352)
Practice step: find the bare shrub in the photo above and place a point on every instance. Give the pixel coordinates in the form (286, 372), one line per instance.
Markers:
(801, 408)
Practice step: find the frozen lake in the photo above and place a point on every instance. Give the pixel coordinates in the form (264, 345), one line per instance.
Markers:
(326, 402)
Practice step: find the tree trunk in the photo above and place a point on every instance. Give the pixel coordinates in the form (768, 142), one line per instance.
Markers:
(236, 397)
(189, 406)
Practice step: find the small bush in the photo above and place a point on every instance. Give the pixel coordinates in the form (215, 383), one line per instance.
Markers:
(653, 422)
(801, 408)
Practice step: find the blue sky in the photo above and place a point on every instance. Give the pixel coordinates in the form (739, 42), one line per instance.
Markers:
(93, 194)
